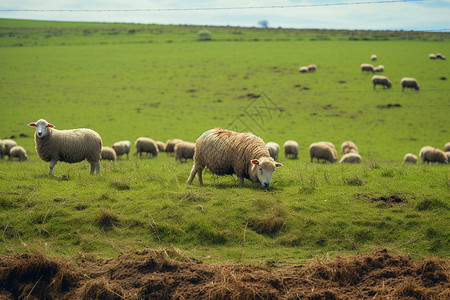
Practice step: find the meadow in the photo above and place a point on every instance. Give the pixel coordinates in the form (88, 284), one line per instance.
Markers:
(131, 80)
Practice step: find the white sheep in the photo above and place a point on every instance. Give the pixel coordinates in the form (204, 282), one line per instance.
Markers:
(447, 147)
(351, 158)
(366, 68)
(348, 146)
(108, 153)
(8, 144)
(303, 69)
(274, 149)
(147, 145)
(184, 151)
(430, 154)
(69, 146)
(410, 158)
(122, 147)
(381, 80)
(226, 152)
(373, 57)
(170, 145)
(312, 68)
(378, 69)
(411, 83)
(290, 149)
(18, 152)
(432, 56)
(323, 150)
(440, 56)
(161, 146)
(447, 153)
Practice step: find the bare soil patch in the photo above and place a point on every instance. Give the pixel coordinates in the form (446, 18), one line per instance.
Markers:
(166, 274)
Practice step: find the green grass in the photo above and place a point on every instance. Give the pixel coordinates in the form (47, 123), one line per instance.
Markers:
(131, 80)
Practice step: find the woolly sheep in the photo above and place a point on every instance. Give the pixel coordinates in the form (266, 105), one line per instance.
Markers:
(410, 158)
(431, 154)
(380, 68)
(381, 80)
(440, 56)
(226, 152)
(432, 56)
(303, 69)
(8, 144)
(145, 144)
(290, 149)
(447, 147)
(348, 146)
(121, 148)
(170, 145)
(184, 151)
(71, 146)
(373, 57)
(351, 158)
(274, 149)
(161, 146)
(18, 152)
(411, 83)
(312, 68)
(323, 150)
(108, 153)
(366, 68)
(447, 153)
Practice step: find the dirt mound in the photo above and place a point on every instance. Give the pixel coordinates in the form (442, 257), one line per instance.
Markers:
(167, 274)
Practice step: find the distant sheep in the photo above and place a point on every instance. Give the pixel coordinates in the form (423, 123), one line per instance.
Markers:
(447, 147)
(430, 154)
(274, 149)
(303, 69)
(2, 149)
(146, 145)
(108, 153)
(432, 56)
(170, 145)
(227, 152)
(373, 57)
(366, 68)
(351, 158)
(323, 150)
(121, 148)
(8, 144)
(411, 83)
(381, 80)
(290, 149)
(447, 153)
(312, 68)
(378, 69)
(348, 146)
(69, 146)
(440, 56)
(410, 158)
(184, 151)
(18, 152)
(161, 146)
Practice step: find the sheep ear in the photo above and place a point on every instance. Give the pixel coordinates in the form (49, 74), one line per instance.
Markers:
(255, 162)
(50, 125)
(32, 124)
(277, 164)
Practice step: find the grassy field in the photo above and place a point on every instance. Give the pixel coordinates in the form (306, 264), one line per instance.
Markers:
(130, 80)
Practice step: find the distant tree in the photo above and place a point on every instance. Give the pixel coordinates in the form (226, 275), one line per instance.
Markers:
(264, 23)
(204, 35)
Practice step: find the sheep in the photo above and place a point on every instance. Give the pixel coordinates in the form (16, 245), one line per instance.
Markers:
(161, 146)
(184, 151)
(411, 83)
(381, 80)
(348, 146)
(8, 144)
(312, 68)
(170, 145)
(303, 69)
(447, 153)
(2, 149)
(71, 146)
(366, 68)
(432, 56)
(447, 147)
(274, 149)
(18, 152)
(108, 153)
(430, 154)
(122, 147)
(145, 144)
(410, 158)
(290, 149)
(373, 57)
(440, 56)
(378, 69)
(226, 152)
(323, 150)
(351, 158)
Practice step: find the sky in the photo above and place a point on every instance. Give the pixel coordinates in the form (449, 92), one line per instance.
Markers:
(425, 15)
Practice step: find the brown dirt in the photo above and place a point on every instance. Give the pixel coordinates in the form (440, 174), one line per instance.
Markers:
(166, 274)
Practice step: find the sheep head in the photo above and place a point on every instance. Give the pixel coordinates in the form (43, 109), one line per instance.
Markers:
(262, 169)
(41, 127)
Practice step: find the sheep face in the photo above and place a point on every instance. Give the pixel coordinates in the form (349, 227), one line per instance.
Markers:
(263, 169)
(41, 127)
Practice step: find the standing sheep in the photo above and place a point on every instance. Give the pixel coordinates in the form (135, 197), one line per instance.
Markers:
(227, 152)
(348, 146)
(410, 158)
(440, 56)
(161, 146)
(432, 56)
(378, 69)
(381, 80)
(121, 148)
(366, 68)
(184, 151)
(312, 68)
(411, 83)
(18, 152)
(108, 153)
(145, 144)
(430, 154)
(170, 145)
(323, 150)
(69, 146)
(373, 57)
(8, 144)
(351, 158)
(303, 69)
(274, 149)
(290, 149)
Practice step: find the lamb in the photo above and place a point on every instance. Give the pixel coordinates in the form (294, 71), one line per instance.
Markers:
(161, 146)
(348, 146)
(145, 144)
(274, 149)
(290, 149)
(18, 152)
(410, 158)
(323, 150)
(381, 80)
(69, 146)
(108, 153)
(121, 148)
(226, 152)
(447, 147)
(411, 83)
(184, 151)
(366, 68)
(351, 158)
(373, 57)
(8, 144)
(312, 68)
(303, 69)
(430, 154)
(170, 145)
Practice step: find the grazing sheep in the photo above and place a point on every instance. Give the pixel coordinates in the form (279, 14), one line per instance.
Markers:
(348, 146)
(18, 152)
(8, 144)
(108, 153)
(323, 150)
(121, 148)
(378, 69)
(411, 83)
(410, 158)
(161, 146)
(447, 153)
(312, 68)
(440, 56)
(290, 149)
(432, 56)
(170, 145)
(226, 152)
(429, 154)
(303, 69)
(373, 57)
(366, 68)
(274, 149)
(145, 144)
(184, 151)
(351, 158)
(69, 146)
(447, 147)
(381, 80)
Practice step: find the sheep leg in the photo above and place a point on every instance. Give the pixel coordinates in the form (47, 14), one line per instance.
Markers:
(97, 167)
(52, 164)
(195, 169)
(241, 181)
